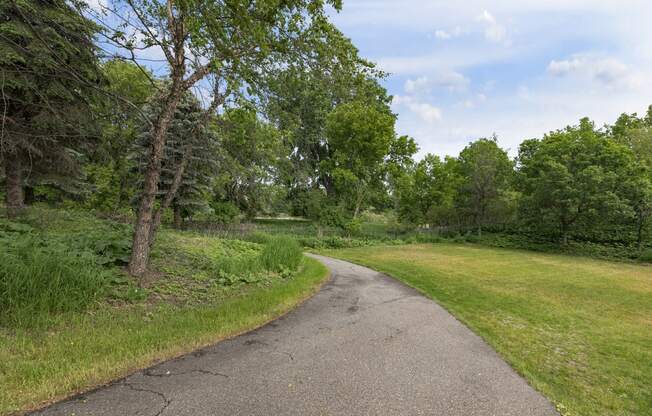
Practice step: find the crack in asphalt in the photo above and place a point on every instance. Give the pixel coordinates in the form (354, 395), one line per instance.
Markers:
(151, 373)
(166, 401)
(265, 344)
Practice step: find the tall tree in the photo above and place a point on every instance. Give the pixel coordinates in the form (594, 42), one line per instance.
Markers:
(360, 139)
(427, 194)
(573, 181)
(110, 169)
(231, 41)
(486, 171)
(48, 71)
(250, 156)
(301, 97)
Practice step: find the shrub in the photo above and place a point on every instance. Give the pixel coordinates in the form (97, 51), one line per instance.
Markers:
(38, 279)
(225, 212)
(281, 253)
(646, 255)
(258, 237)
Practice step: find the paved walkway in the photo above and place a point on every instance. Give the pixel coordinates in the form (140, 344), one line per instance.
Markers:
(364, 345)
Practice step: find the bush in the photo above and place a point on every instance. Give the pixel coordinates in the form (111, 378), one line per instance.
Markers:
(38, 279)
(281, 253)
(258, 237)
(646, 255)
(225, 212)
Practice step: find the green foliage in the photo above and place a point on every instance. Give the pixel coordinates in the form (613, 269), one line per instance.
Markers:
(486, 173)
(646, 255)
(281, 253)
(360, 138)
(39, 278)
(572, 183)
(258, 237)
(250, 154)
(224, 212)
(50, 72)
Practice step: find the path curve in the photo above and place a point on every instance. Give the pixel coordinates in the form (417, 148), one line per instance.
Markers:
(365, 344)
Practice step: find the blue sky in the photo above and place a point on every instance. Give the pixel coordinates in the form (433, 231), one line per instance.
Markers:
(468, 69)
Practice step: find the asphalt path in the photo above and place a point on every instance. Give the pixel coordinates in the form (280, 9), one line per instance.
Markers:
(365, 344)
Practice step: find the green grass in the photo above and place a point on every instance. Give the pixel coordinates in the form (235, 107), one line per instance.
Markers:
(95, 324)
(578, 329)
(38, 279)
(84, 350)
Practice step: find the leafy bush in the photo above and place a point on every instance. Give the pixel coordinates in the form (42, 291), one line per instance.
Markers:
(281, 253)
(646, 255)
(225, 212)
(39, 278)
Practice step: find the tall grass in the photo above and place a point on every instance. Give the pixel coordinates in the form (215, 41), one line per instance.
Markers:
(281, 253)
(38, 279)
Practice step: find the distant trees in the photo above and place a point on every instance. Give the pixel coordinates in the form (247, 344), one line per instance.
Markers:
(49, 71)
(580, 183)
(468, 191)
(573, 182)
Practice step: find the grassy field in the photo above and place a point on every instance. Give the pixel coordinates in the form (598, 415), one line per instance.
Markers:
(202, 289)
(579, 330)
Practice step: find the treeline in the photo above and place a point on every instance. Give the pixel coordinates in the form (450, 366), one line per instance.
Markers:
(250, 108)
(581, 182)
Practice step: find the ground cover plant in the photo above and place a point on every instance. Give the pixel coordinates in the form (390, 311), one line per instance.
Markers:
(578, 329)
(73, 318)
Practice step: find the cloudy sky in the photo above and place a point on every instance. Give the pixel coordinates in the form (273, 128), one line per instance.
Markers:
(466, 69)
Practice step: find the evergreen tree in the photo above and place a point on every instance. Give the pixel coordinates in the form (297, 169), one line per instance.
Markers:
(189, 141)
(48, 71)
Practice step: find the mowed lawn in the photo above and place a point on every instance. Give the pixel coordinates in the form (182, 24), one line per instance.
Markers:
(579, 330)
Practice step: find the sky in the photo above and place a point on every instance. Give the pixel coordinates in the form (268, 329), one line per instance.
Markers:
(460, 70)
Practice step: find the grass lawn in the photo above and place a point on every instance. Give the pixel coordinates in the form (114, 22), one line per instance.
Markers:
(202, 290)
(579, 330)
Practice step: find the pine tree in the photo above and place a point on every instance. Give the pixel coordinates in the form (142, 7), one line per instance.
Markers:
(48, 71)
(191, 142)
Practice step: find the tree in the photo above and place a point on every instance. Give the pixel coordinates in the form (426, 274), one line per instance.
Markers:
(231, 42)
(573, 181)
(110, 167)
(250, 155)
(636, 134)
(426, 195)
(360, 139)
(191, 143)
(486, 171)
(301, 96)
(48, 71)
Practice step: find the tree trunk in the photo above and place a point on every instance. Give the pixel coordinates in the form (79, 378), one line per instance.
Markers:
(29, 196)
(639, 231)
(169, 195)
(178, 221)
(358, 203)
(14, 178)
(142, 230)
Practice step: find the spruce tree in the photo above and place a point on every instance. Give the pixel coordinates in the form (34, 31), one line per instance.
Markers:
(48, 71)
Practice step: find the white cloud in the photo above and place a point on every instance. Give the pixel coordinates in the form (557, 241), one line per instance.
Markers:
(493, 32)
(443, 35)
(419, 84)
(450, 80)
(606, 70)
(425, 111)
